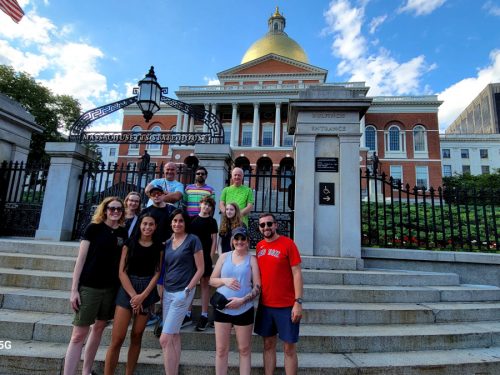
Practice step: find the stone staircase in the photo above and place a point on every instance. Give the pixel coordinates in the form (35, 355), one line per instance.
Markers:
(355, 322)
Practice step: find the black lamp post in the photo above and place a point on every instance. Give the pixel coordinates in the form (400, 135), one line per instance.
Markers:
(148, 98)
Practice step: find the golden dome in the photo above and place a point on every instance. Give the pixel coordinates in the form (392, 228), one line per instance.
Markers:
(275, 41)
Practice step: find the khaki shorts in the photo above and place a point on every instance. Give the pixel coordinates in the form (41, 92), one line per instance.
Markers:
(95, 304)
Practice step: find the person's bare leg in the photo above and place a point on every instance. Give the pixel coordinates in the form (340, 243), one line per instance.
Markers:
(92, 345)
(74, 351)
(291, 361)
(171, 347)
(244, 338)
(118, 334)
(269, 355)
(222, 337)
(135, 342)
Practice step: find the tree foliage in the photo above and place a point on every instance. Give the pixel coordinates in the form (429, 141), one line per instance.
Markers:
(467, 181)
(53, 112)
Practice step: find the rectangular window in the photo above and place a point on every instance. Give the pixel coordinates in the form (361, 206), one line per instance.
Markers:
(130, 172)
(447, 171)
(465, 153)
(112, 152)
(246, 136)
(483, 153)
(396, 172)
(287, 138)
(227, 135)
(465, 169)
(422, 177)
(446, 153)
(485, 169)
(99, 150)
(267, 135)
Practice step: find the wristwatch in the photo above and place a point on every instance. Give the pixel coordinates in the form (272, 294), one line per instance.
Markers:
(187, 290)
(299, 300)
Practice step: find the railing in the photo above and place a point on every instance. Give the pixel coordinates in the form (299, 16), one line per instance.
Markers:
(99, 181)
(404, 217)
(22, 188)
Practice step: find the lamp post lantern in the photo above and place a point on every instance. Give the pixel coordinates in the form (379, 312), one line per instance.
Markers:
(149, 96)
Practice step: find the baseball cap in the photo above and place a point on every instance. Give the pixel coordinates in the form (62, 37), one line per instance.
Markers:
(157, 188)
(239, 231)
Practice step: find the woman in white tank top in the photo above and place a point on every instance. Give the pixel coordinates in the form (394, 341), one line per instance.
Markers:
(236, 275)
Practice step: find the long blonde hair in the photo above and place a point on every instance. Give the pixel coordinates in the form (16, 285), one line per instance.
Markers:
(100, 212)
(226, 224)
(125, 201)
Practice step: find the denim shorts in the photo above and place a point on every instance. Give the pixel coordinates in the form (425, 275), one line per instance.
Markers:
(270, 321)
(175, 307)
(139, 284)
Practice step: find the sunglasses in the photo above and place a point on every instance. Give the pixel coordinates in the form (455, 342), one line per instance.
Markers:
(200, 174)
(156, 193)
(115, 209)
(268, 223)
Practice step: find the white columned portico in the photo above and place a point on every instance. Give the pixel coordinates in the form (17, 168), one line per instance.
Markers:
(256, 123)
(185, 123)
(277, 126)
(234, 126)
(326, 124)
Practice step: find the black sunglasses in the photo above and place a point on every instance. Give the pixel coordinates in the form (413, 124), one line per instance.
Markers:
(268, 223)
(115, 209)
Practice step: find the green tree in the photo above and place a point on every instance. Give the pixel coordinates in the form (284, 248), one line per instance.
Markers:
(53, 112)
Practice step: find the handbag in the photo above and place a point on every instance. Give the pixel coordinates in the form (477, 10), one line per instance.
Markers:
(218, 301)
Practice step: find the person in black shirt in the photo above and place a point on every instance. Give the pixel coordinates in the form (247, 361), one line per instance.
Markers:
(161, 212)
(95, 281)
(139, 273)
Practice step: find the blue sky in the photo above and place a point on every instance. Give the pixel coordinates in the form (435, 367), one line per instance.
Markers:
(96, 51)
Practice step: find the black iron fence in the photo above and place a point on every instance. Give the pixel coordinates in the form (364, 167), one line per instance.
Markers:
(99, 181)
(393, 215)
(22, 188)
(274, 193)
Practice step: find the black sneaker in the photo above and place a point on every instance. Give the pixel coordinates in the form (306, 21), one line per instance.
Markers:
(202, 323)
(187, 321)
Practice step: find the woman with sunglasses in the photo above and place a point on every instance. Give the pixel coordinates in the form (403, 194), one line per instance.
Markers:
(95, 282)
(231, 219)
(132, 208)
(184, 267)
(236, 276)
(139, 272)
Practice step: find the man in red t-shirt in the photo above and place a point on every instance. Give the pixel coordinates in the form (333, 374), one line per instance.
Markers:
(280, 307)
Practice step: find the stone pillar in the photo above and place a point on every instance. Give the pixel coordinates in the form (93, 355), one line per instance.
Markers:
(326, 124)
(256, 125)
(234, 126)
(185, 123)
(191, 125)
(215, 158)
(61, 192)
(277, 126)
(178, 126)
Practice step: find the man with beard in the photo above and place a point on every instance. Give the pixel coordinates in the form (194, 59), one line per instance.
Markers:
(280, 306)
(195, 192)
(173, 189)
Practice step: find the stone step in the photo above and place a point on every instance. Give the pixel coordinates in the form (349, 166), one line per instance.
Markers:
(21, 325)
(30, 246)
(57, 301)
(30, 357)
(37, 262)
(330, 263)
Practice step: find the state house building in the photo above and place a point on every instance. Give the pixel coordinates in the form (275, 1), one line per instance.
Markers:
(252, 103)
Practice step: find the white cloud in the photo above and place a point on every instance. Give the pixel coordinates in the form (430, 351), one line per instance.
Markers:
(459, 95)
(421, 7)
(376, 22)
(491, 8)
(211, 81)
(382, 72)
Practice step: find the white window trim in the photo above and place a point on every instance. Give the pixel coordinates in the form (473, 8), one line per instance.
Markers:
(417, 167)
(400, 168)
(401, 153)
(376, 143)
(267, 127)
(133, 148)
(420, 154)
(157, 150)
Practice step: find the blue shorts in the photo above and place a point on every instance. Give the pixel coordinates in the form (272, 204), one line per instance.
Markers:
(270, 321)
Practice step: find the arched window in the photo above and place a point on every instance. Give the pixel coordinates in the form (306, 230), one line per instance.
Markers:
(419, 139)
(133, 148)
(371, 138)
(394, 140)
(155, 147)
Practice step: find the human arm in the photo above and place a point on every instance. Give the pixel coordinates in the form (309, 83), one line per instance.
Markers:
(249, 203)
(254, 293)
(217, 281)
(77, 271)
(174, 192)
(200, 268)
(298, 285)
(213, 249)
(222, 202)
(247, 209)
(173, 197)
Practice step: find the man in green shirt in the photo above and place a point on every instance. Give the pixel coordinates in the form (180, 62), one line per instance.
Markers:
(237, 193)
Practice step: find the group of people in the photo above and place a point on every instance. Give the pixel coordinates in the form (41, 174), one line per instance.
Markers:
(130, 259)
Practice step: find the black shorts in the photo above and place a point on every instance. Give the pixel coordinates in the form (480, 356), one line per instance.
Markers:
(244, 319)
(139, 284)
(207, 259)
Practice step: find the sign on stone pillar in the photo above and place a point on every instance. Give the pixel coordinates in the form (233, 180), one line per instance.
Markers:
(326, 121)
